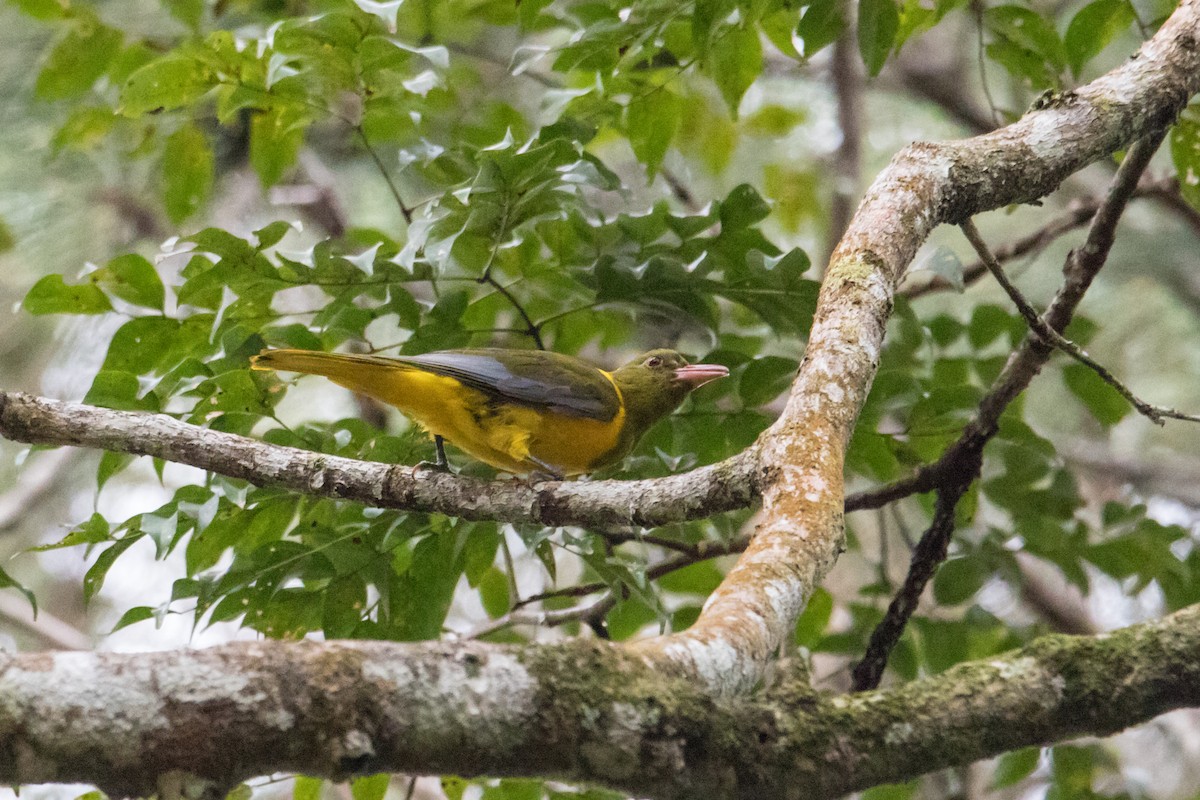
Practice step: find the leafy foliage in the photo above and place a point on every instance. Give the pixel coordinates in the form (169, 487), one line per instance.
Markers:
(538, 198)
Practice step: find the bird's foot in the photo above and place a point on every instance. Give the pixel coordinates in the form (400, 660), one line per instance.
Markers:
(431, 466)
(543, 471)
(441, 465)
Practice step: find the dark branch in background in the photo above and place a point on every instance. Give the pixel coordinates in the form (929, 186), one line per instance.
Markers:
(1165, 475)
(680, 190)
(1077, 215)
(928, 555)
(847, 77)
(1156, 414)
(315, 195)
(954, 472)
(1166, 192)
(531, 328)
(943, 85)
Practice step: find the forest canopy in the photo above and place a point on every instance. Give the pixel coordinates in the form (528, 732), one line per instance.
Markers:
(931, 450)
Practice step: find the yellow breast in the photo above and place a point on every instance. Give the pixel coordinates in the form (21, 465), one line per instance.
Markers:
(511, 437)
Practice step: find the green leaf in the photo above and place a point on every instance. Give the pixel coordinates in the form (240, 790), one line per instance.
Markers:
(372, 787)
(743, 207)
(651, 122)
(1026, 45)
(272, 234)
(305, 788)
(84, 129)
(1185, 152)
(187, 172)
(493, 589)
(43, 9)
(8, 582)
(1093, 28)
(165, 84)
(891, 791)
(189, 12)
(878, 21)
(811, 625)
(133, 279)
(275, 141)
(7, 240)
(119, 390)
(957, 580)
(766, 378)
(990, 322)
(51, 295)
(93, 581)
(78, 60)
(1073, 768)
(1106, 403)
(734, 62)
(821, 23)
(1014, 767)
(133, 616)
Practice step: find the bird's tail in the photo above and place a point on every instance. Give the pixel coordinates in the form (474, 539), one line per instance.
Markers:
(359, 373)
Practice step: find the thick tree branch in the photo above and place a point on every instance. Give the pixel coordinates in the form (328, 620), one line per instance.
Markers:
(798, 462)
(582, 712)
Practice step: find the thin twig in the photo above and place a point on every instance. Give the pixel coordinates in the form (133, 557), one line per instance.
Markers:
(703, 552)
(930, 553)
(623, 535)
(1080, 268)
(1157, 414)
(405, 211)
(549, 618)
(1078, 214)
(531, 328)
(959, 466)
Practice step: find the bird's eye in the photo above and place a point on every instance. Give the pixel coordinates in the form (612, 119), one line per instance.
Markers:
(653, 361)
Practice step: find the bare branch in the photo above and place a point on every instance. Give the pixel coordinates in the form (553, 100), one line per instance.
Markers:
(594, 504)
(1156, 414)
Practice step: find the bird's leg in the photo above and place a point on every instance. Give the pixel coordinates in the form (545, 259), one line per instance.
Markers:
(441, 465)
(544, 471)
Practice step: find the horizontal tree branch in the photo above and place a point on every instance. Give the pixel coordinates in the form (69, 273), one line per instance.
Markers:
(598, 504)
(583, 712)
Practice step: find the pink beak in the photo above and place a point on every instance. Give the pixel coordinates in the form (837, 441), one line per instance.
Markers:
(700, 374)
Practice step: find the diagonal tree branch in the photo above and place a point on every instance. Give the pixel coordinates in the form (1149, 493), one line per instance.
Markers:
(801, 530)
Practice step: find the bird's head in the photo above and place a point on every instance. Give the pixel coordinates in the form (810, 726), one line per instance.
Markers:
(655, 383)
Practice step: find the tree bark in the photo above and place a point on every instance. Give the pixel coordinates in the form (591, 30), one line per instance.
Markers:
(581, 711)
(658, 718)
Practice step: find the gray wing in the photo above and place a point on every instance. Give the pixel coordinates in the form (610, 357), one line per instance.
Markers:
(533, 378)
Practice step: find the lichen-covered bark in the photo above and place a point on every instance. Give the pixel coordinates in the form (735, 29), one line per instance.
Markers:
(658, 719)
(584, 712)
(801, 456)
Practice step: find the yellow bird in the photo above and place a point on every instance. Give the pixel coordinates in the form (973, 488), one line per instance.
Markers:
(522, 411)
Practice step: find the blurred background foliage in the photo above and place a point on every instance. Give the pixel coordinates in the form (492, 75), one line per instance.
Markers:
(185, 182)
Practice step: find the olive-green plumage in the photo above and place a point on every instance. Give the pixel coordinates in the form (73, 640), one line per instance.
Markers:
(519, 410)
